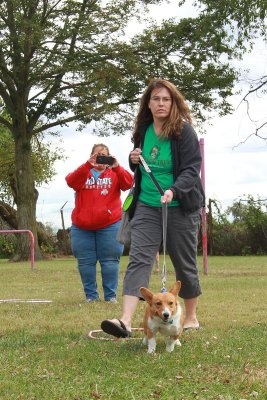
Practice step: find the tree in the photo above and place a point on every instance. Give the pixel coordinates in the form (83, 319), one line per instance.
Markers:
(251, 214)
(63, 61)
(70, 60)
(44, 155)
(240, 230)
(243, 22)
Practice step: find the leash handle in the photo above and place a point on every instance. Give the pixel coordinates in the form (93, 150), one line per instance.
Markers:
(164, 221)
(164, 240)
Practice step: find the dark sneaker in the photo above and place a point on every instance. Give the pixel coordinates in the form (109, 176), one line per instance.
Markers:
(90, 300)
(112, 300)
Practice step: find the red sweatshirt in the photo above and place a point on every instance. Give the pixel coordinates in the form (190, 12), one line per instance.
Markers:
(97, 201)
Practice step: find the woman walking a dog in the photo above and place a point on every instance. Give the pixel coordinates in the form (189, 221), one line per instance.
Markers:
(163, 123)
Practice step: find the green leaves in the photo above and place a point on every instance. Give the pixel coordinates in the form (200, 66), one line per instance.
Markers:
(72, 60)
(44, 154)
(241, 20)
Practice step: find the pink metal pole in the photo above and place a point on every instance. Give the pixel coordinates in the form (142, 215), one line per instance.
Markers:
(204, 219)
(31, 237)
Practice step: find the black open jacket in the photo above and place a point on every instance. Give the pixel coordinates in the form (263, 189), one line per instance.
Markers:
(186, 157)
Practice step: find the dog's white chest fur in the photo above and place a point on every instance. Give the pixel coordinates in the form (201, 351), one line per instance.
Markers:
(168, 328)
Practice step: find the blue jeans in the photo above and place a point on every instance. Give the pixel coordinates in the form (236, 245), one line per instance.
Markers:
(99, 245)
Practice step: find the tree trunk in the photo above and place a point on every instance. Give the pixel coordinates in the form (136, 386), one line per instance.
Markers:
(26, 195)
(8, 215)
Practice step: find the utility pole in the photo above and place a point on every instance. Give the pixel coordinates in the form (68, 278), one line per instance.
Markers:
(64, 230)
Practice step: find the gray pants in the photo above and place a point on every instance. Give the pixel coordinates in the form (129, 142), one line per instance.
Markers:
(146, 238)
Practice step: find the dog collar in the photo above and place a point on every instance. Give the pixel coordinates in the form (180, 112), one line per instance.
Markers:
(168, 322)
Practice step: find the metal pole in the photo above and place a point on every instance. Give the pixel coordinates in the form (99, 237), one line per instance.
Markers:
(63, 227)
(62, 218)
(203, 214)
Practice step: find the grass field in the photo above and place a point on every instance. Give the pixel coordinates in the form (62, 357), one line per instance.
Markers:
(46, 354)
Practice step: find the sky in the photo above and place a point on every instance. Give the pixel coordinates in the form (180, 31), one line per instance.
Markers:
(233, 169)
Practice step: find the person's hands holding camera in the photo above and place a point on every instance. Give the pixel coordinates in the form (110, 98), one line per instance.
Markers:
(103, 160)
(92, 158)
(107, 160)
(115, 162)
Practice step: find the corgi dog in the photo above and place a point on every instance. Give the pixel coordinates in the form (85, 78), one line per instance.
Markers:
(163, 314)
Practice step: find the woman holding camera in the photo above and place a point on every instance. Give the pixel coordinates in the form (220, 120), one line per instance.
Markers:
(96, 219)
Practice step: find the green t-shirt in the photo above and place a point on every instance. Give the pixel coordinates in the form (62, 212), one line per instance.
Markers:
(157, 153)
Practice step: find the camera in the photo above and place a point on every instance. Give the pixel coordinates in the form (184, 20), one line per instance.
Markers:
(108, 160)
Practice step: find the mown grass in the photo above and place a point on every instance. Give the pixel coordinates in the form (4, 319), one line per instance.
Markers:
(45, 351)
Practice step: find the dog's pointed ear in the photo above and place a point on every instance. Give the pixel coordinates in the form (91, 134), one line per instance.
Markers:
(146, 294)
(176, 288)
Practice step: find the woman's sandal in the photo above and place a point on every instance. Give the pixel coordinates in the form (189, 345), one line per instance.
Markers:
(114, 329)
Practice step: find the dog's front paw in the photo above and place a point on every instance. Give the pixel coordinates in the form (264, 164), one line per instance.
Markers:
(170, 348)
(151, 350)
(144, 341)
(151, 345)
(171, 343)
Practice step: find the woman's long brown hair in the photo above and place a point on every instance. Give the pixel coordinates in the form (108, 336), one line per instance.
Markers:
(178, 115)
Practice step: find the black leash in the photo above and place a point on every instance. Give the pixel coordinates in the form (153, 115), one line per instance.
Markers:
(148, 170)
(164, 220)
